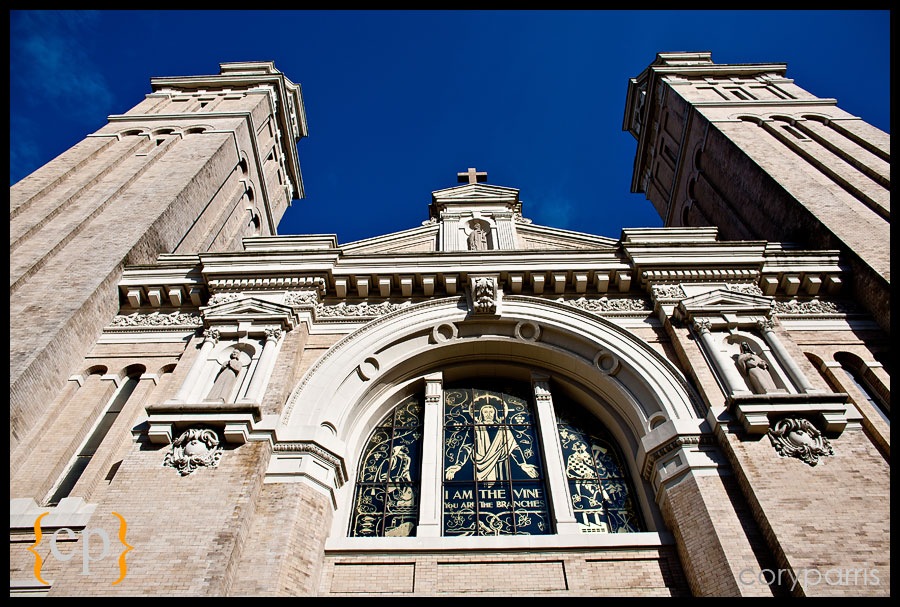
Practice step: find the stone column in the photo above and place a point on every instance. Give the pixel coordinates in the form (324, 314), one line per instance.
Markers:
(767, 327)
(432, 465)
(263, 366)
(725, 373)
(505, 231)
(449, 232)
(566, 524)
(211, 337)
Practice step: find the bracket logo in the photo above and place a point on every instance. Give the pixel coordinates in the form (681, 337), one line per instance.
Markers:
(86, 556)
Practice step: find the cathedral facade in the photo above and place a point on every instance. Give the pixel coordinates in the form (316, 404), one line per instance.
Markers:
(476, 406)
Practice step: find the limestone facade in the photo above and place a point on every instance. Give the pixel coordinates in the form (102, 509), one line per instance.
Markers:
(211, 426)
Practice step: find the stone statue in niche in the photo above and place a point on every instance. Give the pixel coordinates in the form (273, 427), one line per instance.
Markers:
(756, 370)
(797, 437)
(477, 237)
(195, 447)
(227, 377)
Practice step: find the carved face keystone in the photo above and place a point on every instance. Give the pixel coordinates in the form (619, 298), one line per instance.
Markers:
(801, 438)
(195, 447)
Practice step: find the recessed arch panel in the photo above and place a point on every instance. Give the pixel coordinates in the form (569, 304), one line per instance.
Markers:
(341, 391)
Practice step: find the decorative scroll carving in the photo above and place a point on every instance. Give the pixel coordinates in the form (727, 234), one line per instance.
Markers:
(765, 324)
(301, 298)
(749, 289)
(220, 298)
(702, 324)
(212, 334)
(195, 448)
(797, 437)
(811, 306)
(360, 309)
(667, 292)
(157, 319)
(605, 304)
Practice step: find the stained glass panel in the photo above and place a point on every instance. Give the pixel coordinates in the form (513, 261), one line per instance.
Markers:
(601, 492)
(493, 474)
(387, 489)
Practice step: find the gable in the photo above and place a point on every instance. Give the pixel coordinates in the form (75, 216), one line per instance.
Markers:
(538, 237)
(416, 240)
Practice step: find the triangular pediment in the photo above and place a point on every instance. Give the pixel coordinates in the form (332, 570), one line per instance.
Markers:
(724, 301)
(476, 191)
(422, 239)
(544, 238)
(249, 309)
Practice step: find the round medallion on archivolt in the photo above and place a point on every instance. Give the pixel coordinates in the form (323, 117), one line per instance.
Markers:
(528, 331)
(444, 332)
(368, 368)
(607, 362)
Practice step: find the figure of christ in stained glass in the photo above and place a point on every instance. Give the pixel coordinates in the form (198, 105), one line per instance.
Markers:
(492, 476)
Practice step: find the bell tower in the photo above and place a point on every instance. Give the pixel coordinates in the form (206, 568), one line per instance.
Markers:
(743, 148)
(199, 164)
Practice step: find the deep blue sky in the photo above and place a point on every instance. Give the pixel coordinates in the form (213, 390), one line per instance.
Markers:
(398, 102)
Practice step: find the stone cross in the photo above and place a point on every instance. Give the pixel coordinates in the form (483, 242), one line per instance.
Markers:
(471, 176)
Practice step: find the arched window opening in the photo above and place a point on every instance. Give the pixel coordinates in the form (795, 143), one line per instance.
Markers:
(602, 494)
(492, 476)
(87, 450)
(388, 482)
(854, 368)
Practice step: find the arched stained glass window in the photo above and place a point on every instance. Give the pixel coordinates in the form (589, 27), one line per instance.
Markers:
(388, 482)
(601, 492)
(491, 468)
(493, 475)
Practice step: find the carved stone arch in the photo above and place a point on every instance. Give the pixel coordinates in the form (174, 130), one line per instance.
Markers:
(570, 342)
(243, 164)
(198, 129)
(95, 370)
(820, 118)
(134, 370)
(783, 118)
(757, 120)
(334, 393)
(166, 368)
(132, 132)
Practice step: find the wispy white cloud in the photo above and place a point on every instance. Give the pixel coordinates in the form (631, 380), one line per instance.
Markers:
(46, 46)
(551, 210)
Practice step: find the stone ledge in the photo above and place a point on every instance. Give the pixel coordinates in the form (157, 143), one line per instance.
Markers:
(755, 412)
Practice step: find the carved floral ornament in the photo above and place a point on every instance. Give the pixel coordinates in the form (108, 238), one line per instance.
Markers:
(797, 437)
(484, 295)
(606, 304)
(195, 448)
(157, 319)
